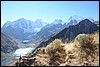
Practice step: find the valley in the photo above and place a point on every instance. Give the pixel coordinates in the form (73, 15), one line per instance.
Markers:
(23, 34)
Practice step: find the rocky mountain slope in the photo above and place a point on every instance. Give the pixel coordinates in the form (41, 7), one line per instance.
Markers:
(55, 27)
(84, 26)
(48, 30)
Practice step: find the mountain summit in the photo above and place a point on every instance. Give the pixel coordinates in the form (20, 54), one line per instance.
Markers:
(73, 20)
(23, 28)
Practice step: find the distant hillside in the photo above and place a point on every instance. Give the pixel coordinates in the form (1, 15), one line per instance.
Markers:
(8, 45)
(46, 32)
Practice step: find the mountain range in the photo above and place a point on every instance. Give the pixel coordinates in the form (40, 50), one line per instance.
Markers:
(55, 27)
(40, 33)
(22, 28)
(83, 27)
(37, 31)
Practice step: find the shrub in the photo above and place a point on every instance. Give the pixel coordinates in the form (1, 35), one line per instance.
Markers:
(52, 47)
(86, 46)
(56, 52)
(85, 42)
(82, 40)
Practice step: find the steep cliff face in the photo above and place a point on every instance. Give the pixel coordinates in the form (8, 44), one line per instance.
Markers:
(84, 26)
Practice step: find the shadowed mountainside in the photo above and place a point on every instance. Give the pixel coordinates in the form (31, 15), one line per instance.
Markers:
(8, 45)
(84, 26)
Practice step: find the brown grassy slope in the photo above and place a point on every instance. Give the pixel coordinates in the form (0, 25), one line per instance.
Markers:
(69, 54)
(88, 55)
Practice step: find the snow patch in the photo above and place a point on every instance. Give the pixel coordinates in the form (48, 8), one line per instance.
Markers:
(37, 29)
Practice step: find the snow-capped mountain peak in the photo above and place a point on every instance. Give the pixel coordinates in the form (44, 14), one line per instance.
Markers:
(75, 17)
(92, 20)
(73, 20)
(23, 27)
(57, 21)
(22, 19)
(8, 23)
(22, 23)
(40, 22)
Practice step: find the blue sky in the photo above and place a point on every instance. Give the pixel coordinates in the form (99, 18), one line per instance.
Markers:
(47, 10)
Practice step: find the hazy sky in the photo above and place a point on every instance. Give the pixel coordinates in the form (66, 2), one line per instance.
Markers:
(47, 10)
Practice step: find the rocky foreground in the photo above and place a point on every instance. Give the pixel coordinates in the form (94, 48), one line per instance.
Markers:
(83, 51)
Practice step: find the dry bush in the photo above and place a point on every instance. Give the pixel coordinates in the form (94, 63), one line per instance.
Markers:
(52, 47)
(85, 42)
(57, 52)
(86, 46)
